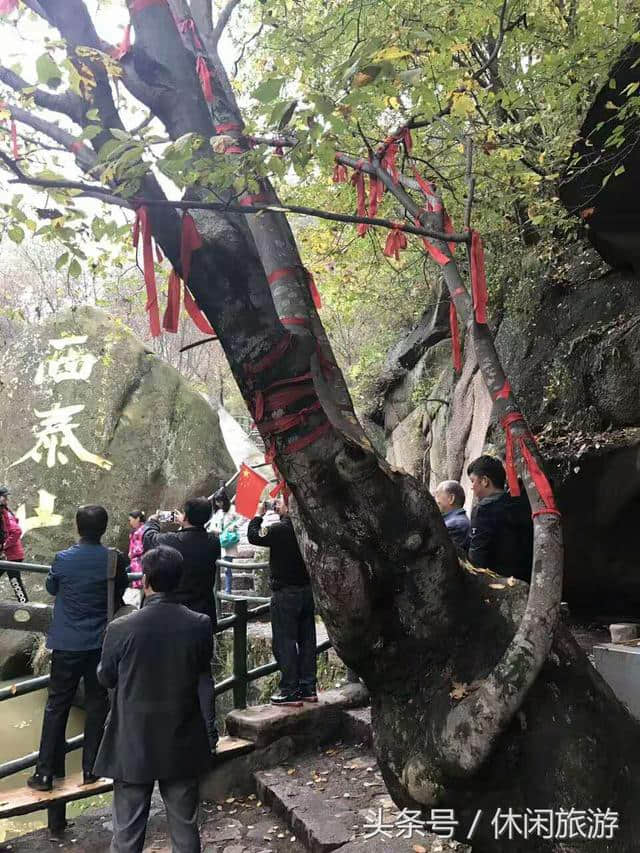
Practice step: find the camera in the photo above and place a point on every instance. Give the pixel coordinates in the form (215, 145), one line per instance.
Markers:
(166, 515)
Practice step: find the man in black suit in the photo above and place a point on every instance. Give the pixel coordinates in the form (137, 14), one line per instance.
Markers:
(154, 659)
(199, 550)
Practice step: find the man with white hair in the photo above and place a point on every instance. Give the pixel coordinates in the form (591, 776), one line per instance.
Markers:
(450, 496)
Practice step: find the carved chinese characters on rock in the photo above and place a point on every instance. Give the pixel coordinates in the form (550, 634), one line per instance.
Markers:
(56, 440)
(56, 433)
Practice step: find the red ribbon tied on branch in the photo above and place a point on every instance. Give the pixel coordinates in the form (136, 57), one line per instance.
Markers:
(509, 457)
(396, 242)
(376, 191)
(142, 226)
(405, 136)
(357, 179)
(190, 242)
(205, 79)
(340, 174)
(478, 278)
(389, 159)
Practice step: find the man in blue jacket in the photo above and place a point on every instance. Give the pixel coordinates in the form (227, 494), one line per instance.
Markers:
(450, 497)
(78, 579)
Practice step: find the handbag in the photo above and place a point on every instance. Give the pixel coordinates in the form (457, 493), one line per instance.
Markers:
(229, 537)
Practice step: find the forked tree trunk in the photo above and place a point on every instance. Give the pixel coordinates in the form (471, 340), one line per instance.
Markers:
(422, 630)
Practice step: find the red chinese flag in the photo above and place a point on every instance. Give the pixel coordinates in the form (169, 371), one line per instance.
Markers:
(250, 487)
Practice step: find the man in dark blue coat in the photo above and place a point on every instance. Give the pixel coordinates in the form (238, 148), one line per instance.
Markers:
(78, 579)
(154, 659)
(450, 497)
(501, 525)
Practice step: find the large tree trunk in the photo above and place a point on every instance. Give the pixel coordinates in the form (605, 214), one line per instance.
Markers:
(399, 607)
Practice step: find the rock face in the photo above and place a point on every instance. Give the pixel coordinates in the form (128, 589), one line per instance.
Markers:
(571, 349)
(91, 416)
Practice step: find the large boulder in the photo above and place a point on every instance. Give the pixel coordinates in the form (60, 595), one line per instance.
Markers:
(571, 349)
(89, 415)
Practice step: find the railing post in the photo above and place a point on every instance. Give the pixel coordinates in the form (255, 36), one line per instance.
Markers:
(240, 654)
(216, 590)
(57, 819)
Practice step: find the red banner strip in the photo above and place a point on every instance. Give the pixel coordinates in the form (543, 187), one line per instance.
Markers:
(187, 25)
(142, 227)
(190, 242)
(199, 319)
(538, 476)
(306, 440)
(260, 198)
(509, 461)
(478, 278)
(204, 74)
(455, 338)
(438, 256)
(396, 242)
(171, 316)
(228, 127)
(340, 174)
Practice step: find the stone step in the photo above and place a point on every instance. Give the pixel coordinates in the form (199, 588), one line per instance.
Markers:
(323, 825)
(308, 725)
(312, 821)
(356, 726)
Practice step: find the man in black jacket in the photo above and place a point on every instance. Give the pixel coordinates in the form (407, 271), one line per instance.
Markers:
(501, 526)
(293, 623)
(199, 551)
(153, 659)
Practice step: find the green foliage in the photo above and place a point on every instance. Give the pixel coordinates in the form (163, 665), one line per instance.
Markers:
(331, 74)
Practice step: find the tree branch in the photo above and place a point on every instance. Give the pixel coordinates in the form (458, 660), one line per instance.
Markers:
(102, 193)
(223, 20)
(85, 156)
(70, 104)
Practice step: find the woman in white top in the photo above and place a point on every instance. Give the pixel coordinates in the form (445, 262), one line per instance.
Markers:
(226, 523)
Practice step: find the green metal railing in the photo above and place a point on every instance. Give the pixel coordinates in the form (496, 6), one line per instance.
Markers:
(35, 617)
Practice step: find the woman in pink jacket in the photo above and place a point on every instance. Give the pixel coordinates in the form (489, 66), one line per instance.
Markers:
(11, 545)
(136, 522)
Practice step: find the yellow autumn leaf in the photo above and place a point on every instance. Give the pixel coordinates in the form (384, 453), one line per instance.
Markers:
(462, 104)
(389, 53)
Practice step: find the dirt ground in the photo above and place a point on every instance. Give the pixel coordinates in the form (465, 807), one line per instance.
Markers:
(239, 825)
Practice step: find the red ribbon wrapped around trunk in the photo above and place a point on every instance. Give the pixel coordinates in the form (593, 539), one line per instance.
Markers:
(478, 278)
(455, 338)
(142, 227)
(313, 290)
(205, 79)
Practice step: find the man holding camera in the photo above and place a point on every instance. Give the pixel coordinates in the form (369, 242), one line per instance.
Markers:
(292, 611)
(199, 550)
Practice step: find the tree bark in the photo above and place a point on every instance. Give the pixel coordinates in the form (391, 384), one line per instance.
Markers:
(400, 609)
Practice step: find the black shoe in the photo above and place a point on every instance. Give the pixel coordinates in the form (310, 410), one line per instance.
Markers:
(290, 700)
(308, 695)
(40, 782)
(89, 778)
